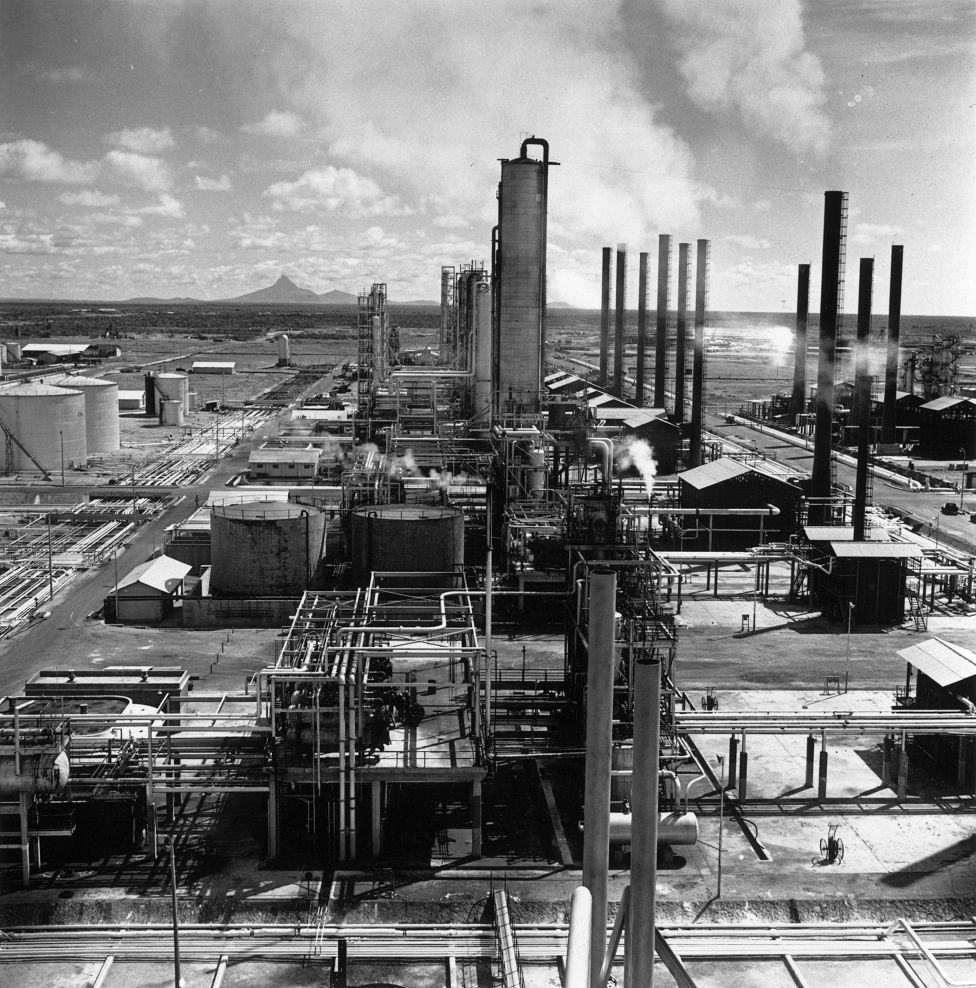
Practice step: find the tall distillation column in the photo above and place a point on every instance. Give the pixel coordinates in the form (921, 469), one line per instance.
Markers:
(798, 398)
(889, 420)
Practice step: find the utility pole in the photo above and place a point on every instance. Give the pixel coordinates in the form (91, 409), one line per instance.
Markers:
(721, 825)
(962, 479)
(50, 561)
(847, 663)
(177, 980)
(61, 436)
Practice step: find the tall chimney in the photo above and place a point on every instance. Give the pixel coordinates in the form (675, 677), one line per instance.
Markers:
(663, 286)
(618, 329)
(641, 329)
(798, 399)
(447, 298)
(698, 367)
(831, 304)
(890, 419)
(605, 317)
(684, 270)
(862, 394)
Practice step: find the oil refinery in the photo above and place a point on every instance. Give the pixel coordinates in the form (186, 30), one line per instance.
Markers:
(477, 655)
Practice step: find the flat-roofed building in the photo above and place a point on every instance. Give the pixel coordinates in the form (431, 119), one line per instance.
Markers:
(283, 463)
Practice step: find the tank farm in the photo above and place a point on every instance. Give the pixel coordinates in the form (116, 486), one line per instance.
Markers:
(486, 658)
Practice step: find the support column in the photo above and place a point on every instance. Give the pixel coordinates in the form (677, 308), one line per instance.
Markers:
(822, 780)
(811, 751)
(599, 715)
(476, 819)
(733, 762)
(272, 818)
(743, 772)
(887, 759)
(376, 818)
(903, 768)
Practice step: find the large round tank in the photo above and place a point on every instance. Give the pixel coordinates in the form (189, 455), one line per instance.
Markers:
(265, 548)
(284, 351)
(42, 416)
(411, 538)
(175, 387)
(101, 410)
(14, 351)
(171, 411)
(42, 774)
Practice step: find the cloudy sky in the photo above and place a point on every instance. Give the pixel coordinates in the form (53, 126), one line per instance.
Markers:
(202, 148)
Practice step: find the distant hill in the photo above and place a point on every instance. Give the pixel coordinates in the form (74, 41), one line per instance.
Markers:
(283, 291)
(560, 305)
(420, 301)
(335, 297)
(178, 300)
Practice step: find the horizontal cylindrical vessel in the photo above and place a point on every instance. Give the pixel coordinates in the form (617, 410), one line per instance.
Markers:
(410, 538)
(40, 773)
(679, 829)
(265, 548)
(101, 409)
(49, 421)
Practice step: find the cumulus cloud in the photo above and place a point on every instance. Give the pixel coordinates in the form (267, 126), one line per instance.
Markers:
(36, 162)
(142, 171)
(747, 241)
(452, 222)
(871, 233)
(90, 198)
(278, 123)
(335, 190)
(167, 206)
(751, 56)
(144, 140)
(205, 184)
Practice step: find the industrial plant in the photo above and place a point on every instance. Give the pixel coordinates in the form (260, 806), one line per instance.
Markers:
(466, 656)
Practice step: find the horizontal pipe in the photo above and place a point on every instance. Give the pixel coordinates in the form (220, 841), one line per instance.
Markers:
(679, 829)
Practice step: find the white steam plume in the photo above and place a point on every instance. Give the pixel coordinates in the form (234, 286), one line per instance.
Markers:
(632, 452)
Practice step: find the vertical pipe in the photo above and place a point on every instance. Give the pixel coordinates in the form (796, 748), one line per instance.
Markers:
(831, 299)
(684, 270)
(578, 942)
(644, 801)
(605, 317)
(641, 329)
(894, 329)
(599, 716)
(698, 368)
(862, 394)
(618, 330)
(177, 979)
(798, 399)
(661, 343)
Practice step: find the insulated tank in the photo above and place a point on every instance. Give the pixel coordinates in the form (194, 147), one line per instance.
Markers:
(265, 548)
(284, 351)
(43, 773)
(171, 411)
(413, 538)
(41, 416)
(174, 386)
(101, 410)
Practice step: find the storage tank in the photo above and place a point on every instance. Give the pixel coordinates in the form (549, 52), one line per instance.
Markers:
(174, 386)
(43, 416)
(42, 773)
(171, 411)
(101, 410)
(14, 351)
(413, 538)
(265, 548)
(284, 351)
(151, 396)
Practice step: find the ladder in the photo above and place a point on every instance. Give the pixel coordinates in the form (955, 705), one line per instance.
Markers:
(507, 946)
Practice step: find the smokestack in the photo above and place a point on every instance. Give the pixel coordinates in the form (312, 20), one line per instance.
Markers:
(888, 434)
(862, 394)
(447, 286)
(831, 303)
(663, 286)
(798, 399)
(641, 329)
(618, 333)
(698, 368)
(605, 316)
(599, 739)
(684, 270)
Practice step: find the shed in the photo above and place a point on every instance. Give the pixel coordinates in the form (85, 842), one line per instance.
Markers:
(53, 353)
(147, 592)
(946, 426)
(132, 401)
(280, 463)
(870, 575)
(214, 367)
(649, 424)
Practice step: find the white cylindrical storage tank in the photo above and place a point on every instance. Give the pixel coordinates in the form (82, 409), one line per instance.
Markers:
(265, 548)
(175, 387)
(284, 350)
(46, 420)
(412, 538)
(171, 412)
(101, 410)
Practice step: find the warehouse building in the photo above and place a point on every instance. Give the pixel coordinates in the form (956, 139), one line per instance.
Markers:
(946, 426)
(214, 367)
(279, 463)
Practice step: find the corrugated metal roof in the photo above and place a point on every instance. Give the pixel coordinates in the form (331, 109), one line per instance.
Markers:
(942, 661)
(840, 533)
(162, 573)
(59, 349)
(875, 550)
(285, 456)
(940, 404)
(203, 364)
(716, 472)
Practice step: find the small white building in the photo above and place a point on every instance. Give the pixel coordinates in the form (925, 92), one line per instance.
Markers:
(279, 463)
(214, 367)
(132, 401)
(146, 593)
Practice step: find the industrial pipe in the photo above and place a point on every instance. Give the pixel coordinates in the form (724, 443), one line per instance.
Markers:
(578, 942)
(607, 445)
(676, 829)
